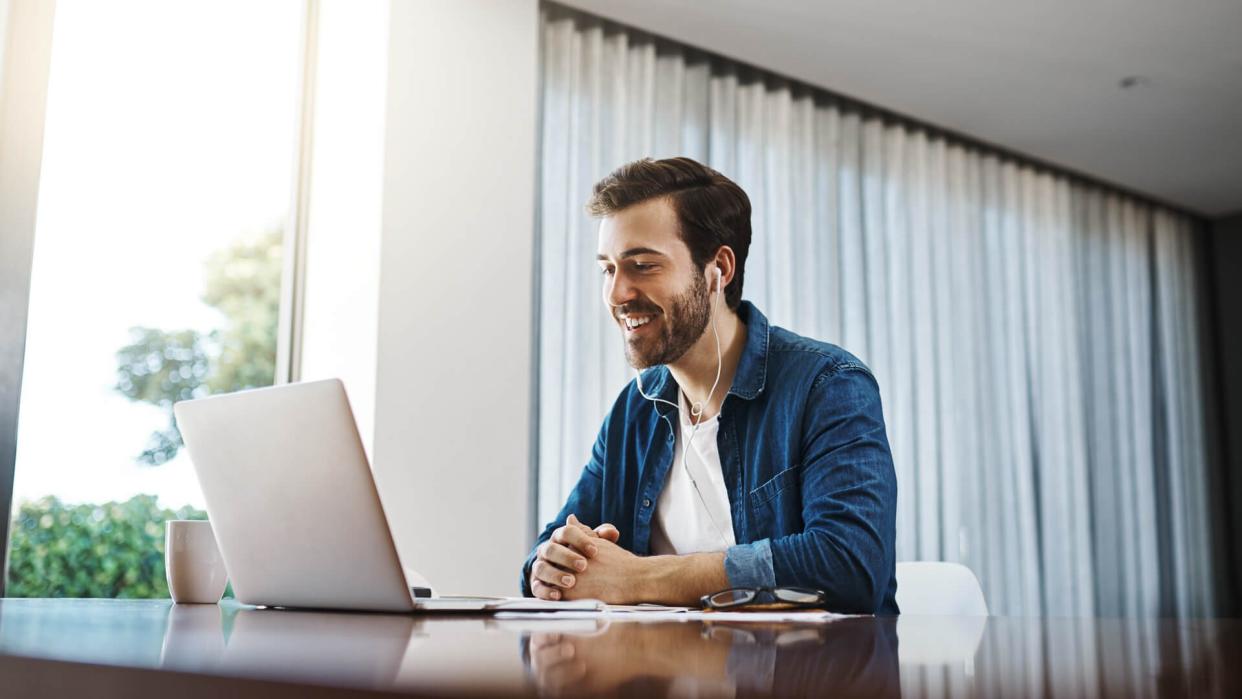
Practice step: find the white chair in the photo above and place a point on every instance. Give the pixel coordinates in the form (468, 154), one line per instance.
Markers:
(943, 615)
(937, 588)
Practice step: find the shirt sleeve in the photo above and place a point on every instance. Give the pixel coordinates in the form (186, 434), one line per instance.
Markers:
(849, 502)
(584, 502)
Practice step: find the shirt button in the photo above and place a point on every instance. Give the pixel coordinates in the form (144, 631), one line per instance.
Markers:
(646, 502)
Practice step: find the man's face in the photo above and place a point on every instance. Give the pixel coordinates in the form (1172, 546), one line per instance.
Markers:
(658, 298)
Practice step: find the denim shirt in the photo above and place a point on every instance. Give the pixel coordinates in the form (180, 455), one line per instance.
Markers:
(806, 463)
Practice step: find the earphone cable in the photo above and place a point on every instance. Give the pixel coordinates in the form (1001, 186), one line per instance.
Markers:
(696, 411)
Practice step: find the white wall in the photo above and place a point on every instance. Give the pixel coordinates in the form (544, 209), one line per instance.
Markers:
(452, 430)
(341, 315)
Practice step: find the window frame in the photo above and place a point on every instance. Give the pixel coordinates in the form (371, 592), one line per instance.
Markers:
(25, 60)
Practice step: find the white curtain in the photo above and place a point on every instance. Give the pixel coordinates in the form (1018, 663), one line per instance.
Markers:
(1034, 337)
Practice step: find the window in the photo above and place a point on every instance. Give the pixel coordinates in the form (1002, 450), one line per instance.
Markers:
(169, 156)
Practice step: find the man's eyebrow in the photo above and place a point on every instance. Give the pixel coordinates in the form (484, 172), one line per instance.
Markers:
(634, 252)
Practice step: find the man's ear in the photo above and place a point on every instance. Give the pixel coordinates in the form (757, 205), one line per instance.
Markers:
(726, 263)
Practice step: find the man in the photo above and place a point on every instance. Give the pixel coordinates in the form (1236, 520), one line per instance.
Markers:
(743, 455)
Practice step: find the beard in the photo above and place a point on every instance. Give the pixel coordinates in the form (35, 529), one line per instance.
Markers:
(681, 327)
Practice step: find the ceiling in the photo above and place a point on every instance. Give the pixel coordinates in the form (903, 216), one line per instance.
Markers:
(1039, 77)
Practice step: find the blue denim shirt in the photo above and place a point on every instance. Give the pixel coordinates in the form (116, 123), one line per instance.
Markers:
(806, 463)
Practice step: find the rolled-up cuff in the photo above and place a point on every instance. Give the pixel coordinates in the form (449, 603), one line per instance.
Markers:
(525, 582)
(750, 565)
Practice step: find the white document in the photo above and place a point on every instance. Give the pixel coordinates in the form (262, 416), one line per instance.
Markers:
(644, 609)
(495, 604)
(681, 614)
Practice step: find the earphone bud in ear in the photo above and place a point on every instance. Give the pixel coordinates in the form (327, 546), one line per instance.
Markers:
(719, 276)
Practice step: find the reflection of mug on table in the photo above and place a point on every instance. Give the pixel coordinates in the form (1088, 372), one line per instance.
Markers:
(192, 562)
(194, 637)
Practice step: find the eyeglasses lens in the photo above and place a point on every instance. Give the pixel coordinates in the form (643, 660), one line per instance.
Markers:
(731, 598)
(796, 596)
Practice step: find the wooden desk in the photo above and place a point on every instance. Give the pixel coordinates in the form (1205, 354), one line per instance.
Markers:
(142, 648)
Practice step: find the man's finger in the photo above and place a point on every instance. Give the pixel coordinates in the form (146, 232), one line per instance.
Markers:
(562, 556)
(577, 539)
(573, 521)
(608, 531)
(543, 553)
(544, 591)
(550, 574)
(559, 534)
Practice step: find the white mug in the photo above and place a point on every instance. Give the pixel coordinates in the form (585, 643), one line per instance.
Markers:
(192, 562)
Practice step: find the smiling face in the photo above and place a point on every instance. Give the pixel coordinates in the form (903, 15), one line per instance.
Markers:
(658, 298)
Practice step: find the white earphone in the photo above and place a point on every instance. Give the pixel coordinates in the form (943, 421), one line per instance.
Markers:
(696, 409)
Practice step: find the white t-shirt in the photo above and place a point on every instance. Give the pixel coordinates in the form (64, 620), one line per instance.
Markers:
(684, 522)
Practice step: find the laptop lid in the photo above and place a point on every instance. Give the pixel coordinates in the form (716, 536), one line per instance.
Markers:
(291, 498)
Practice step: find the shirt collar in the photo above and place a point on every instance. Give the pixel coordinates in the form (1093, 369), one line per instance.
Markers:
(752, 369)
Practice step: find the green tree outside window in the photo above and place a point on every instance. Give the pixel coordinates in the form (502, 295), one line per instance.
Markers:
(117, 549)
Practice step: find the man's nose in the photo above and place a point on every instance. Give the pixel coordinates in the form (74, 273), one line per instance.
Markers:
(617, 290)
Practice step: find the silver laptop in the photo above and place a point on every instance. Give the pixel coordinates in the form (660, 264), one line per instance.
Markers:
(294, 508)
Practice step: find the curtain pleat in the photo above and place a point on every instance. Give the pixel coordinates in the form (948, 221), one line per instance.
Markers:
(1034, 337)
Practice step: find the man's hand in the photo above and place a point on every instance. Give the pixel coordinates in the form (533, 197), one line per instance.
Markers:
(564, 556)
(616, 576)
(578, 562)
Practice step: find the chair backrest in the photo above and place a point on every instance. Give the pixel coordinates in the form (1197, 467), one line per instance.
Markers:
(935, 587)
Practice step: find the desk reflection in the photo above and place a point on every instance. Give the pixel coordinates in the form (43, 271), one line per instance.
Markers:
(194, 637)
(857, 657)
(484, 656)
(355, 650)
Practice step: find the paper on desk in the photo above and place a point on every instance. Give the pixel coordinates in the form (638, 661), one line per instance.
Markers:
(810, 617)
(644, 608)
(682, 614)
(531, 604)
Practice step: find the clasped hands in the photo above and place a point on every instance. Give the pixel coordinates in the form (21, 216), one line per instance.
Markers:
(579, 562)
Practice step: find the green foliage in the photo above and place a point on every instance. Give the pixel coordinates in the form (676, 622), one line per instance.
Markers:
(117, 549)
(161, 367)
(243, 282)
(110, 550)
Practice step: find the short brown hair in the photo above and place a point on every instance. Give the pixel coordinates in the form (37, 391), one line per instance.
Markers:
(711, 209)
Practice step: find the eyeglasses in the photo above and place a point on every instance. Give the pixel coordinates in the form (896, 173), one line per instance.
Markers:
(764, 598)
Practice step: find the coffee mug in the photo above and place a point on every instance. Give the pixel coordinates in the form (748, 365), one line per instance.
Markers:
(192, 562)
